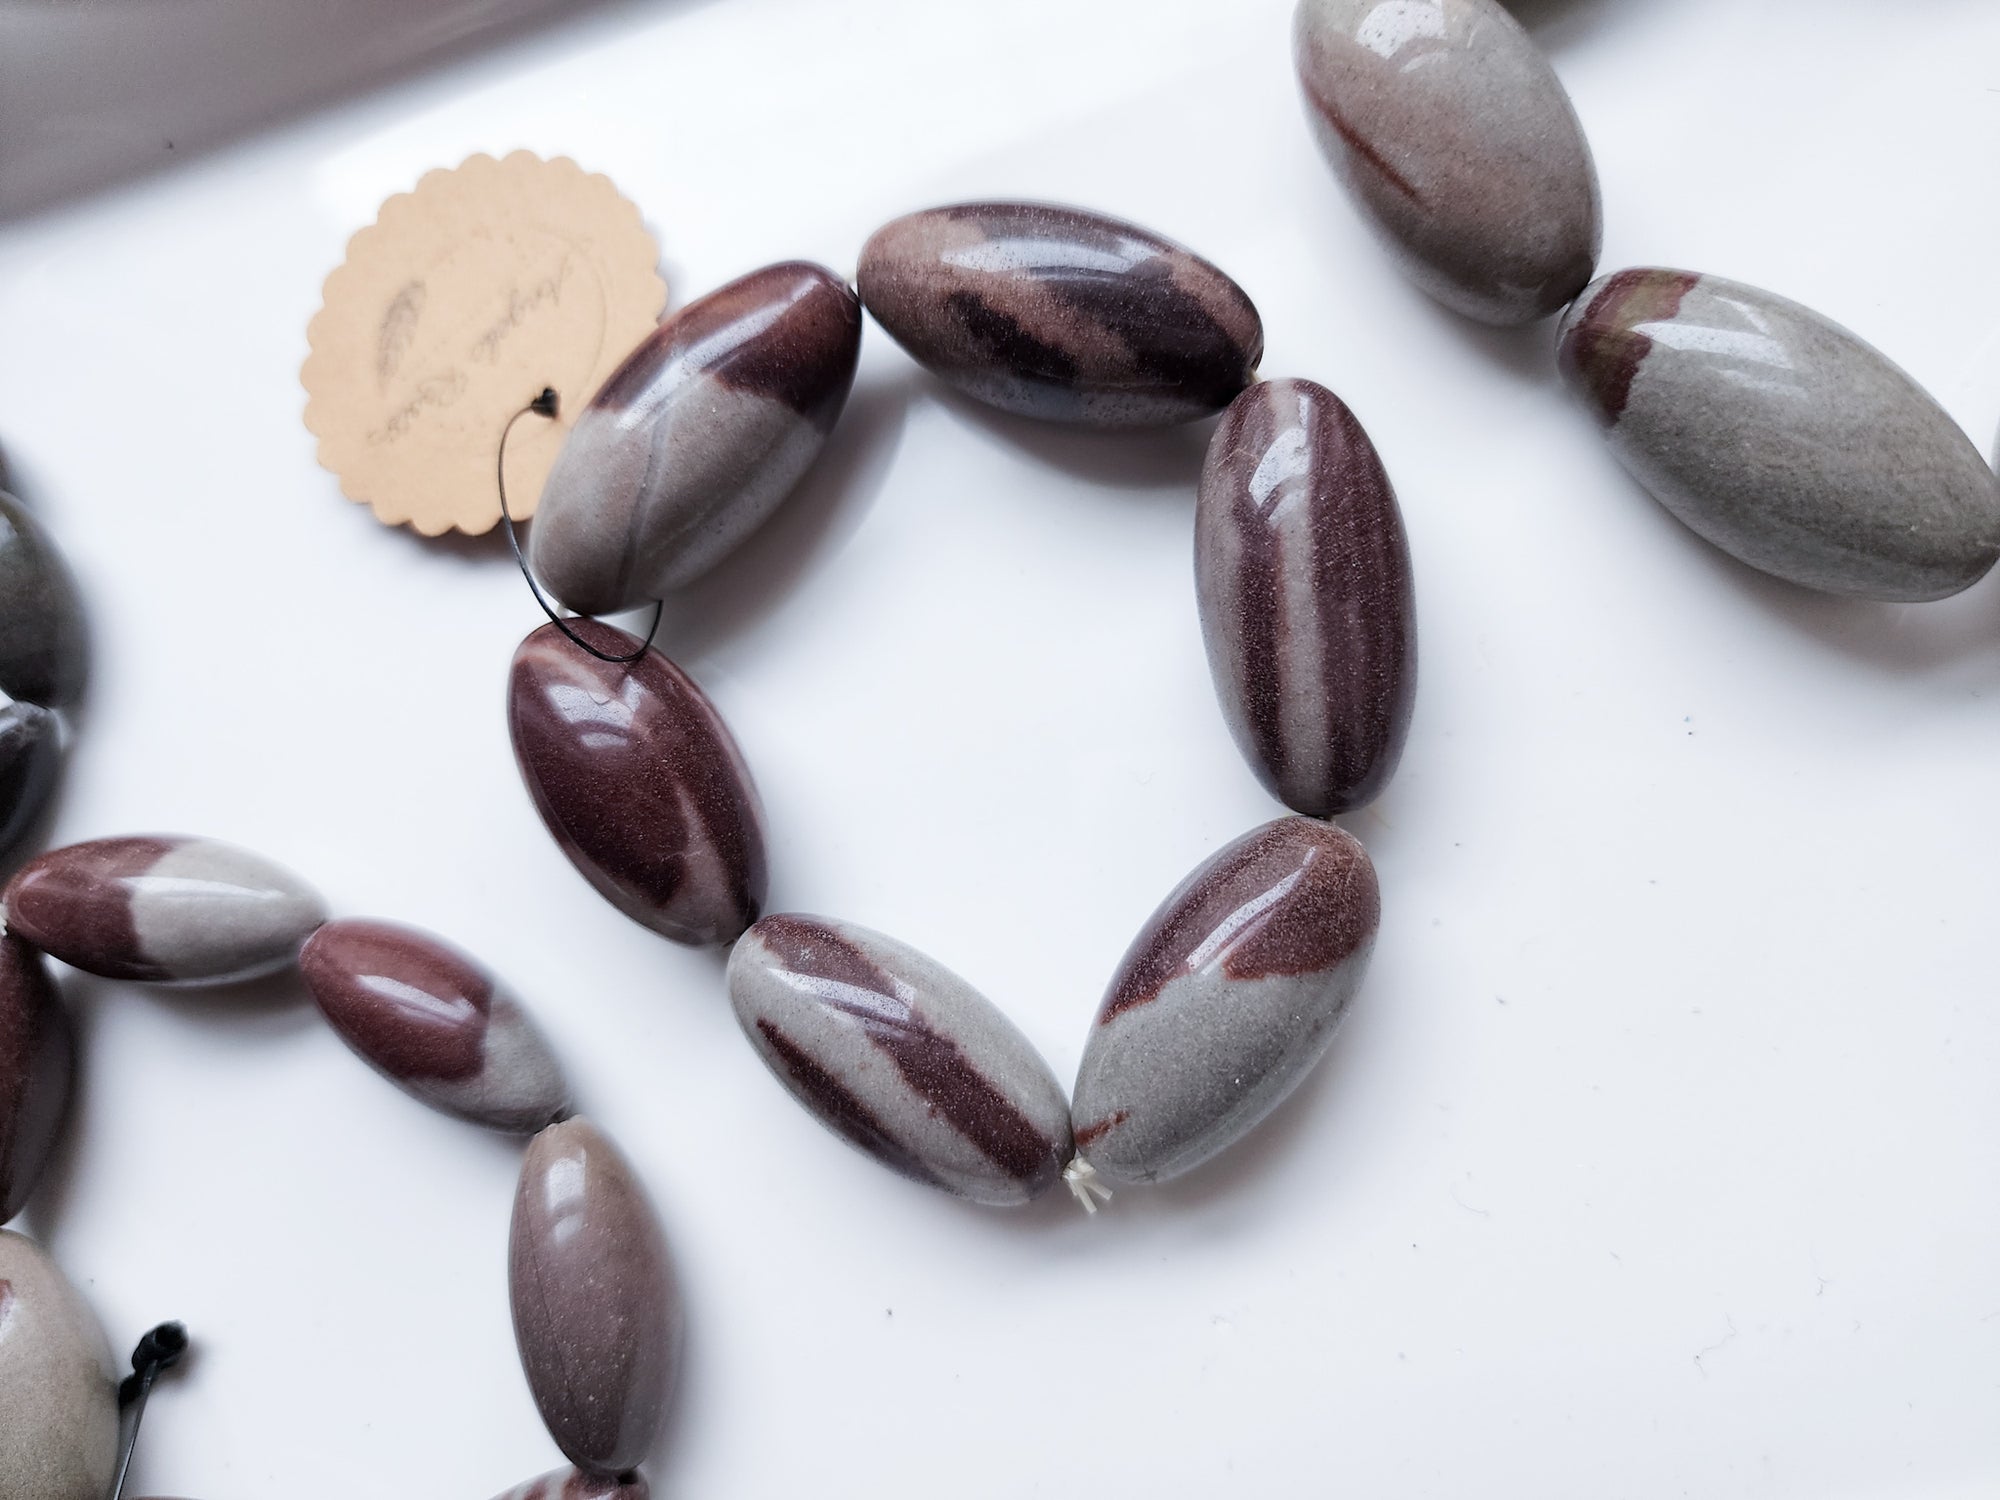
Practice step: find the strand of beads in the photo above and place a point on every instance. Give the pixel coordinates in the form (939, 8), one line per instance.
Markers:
(1234, 989)
(596, 1309)
(1767, 429)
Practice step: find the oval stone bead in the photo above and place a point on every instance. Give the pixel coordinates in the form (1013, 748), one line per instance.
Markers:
(900, 1056)
(167, 908)
(1782, 438)
(641, 783)
(1062, 314)
(1225, 1000)
(434, 1023)
(696, 438)
(58, 1397)
(597, 1313)
(30, 759)
(1457, 141)
(37, 1047)
(1302, 572)
(44, 645)
(575, 1484)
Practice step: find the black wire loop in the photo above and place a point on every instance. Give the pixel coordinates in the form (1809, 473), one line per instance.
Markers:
(161, 1349)
(547, 405)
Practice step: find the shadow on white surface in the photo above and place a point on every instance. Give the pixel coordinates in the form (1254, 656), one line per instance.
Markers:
(237, 1018)
(1142, 459)
(809, 529)
(1897, 641)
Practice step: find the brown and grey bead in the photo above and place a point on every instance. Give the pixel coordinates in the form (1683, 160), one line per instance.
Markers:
(577, 1484)
(1062, 314)
(1302, 572)
(171, 909)
(640, 782)
(597, 1312)
(901, 1057)
(1226, 999)
(1780, 437)
(44, 643)
(30, 762)
(434, 1023)
(1457, 141)
(58, 1395)
(697, 438)
(37, 1050)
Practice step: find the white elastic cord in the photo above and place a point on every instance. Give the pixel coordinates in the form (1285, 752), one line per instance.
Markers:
(1085, 1185)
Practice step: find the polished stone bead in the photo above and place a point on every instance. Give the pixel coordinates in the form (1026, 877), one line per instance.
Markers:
(697, 438)
(44, 644)
(1062, 314)
(1302, 572)
(577, 1484)
(1226, 999)
(597, 1313)
(434, 1023)
(36, 1053)
(1782, 438)
(641, 783)
(30, 762)
(58, 1396)
(1457, 141)
(172, 909)
(902, 1057)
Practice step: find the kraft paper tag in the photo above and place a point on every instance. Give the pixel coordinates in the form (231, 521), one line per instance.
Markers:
(452, 311)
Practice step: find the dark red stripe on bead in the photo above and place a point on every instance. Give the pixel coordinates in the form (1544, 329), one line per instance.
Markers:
(79, 900)
(1293, 897)
(1365, 618)
(840, 1109)
(1364, 148)
(1602, 351)
(790, 333)
(638, 779)
(1259, 605)
(931, 1063)
(403, 1000)
(1095, 1132)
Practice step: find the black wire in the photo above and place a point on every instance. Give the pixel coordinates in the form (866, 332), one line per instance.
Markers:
(161, 1349)
(546, 405)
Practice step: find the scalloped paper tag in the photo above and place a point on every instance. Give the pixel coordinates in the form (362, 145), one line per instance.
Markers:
(451, 312)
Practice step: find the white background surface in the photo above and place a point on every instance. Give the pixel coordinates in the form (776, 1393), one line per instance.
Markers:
(1660, 1155)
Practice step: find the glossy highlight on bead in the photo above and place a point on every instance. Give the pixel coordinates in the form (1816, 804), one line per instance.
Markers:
(697, 438)
(30, 763)
(579, 1484)
(434, 1023)
(44, 643)
(1457, 141)
(1782, 438)
(1062, 314)
(58, 1395)
(640, 782)
(165, 908)
(901, 1057)
(1302, 573)
(1226, 999)
(597, 1312)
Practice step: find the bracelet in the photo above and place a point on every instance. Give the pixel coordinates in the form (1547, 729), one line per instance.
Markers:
(1734, 407)
(1234, 989)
